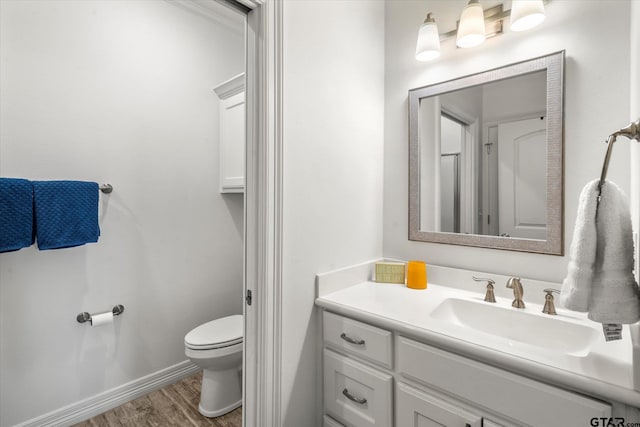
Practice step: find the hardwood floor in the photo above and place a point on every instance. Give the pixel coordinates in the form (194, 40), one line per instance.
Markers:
(175, 405)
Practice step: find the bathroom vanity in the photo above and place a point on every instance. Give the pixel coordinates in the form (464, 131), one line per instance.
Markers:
(394, 356)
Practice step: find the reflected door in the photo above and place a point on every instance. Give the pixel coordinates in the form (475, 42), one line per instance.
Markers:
(522, 178)
(452, 134)
(450, 193)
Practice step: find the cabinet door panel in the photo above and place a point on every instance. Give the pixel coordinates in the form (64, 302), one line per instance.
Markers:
(513, 396)
(232, 143)
(355, 394)
(415, 408)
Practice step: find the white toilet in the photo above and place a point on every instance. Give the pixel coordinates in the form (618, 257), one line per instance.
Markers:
(216, 346)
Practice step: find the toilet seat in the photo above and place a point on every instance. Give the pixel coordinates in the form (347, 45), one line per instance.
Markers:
(219, 333)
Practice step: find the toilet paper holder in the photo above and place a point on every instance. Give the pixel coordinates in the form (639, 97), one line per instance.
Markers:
(86, 317)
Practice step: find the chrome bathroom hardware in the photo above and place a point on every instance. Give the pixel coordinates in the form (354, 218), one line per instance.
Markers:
(86, 317)
(489, 296)
(518, 292)
(351, 397)
(351, 340)
(631, 131)
(549, 307)
(106, 188)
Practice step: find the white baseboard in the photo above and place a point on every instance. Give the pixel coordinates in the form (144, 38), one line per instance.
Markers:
(95, 405)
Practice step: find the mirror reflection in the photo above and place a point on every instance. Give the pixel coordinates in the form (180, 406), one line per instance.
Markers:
(484, 161)
(502, 126)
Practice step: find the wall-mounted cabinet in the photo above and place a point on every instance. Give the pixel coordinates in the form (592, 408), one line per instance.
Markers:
(232, 134)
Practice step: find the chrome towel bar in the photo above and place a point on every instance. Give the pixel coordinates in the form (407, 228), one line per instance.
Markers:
(106, 188)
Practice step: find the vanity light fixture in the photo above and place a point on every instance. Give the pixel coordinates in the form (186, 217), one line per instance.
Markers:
(476, 25)
(428, 46)
(526, 14)
(471, 31)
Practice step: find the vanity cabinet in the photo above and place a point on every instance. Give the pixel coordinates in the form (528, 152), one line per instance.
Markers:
(377, 377)
(232, 134)
(358, 386)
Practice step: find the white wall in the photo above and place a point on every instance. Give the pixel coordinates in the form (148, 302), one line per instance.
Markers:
(332, 167)
(117, 92)
(596, 103)
(634, 17)
(634, 83)
(499, 104)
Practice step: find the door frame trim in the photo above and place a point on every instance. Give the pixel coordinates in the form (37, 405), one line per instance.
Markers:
(263, 256)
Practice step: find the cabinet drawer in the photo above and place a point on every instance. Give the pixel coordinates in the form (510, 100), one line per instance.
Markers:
(523, 399)
(415, 408)
(355, 394)
(365, 341)
(330, 422)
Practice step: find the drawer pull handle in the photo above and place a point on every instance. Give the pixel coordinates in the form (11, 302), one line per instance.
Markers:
(351, 397)
(351, 340)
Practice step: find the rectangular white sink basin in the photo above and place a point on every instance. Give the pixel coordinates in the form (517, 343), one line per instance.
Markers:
(518, 326)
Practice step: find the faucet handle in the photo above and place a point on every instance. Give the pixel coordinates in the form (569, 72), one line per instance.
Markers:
(549, 307)
(489, 296)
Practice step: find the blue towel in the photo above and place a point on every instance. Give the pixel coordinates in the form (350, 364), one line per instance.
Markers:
(16, 214)
(66, 213)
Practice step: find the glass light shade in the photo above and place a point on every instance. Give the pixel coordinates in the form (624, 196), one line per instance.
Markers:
(526, 14)
(428, 46)
(471, 30)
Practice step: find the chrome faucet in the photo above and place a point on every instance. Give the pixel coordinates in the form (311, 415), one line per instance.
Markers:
(518, 292)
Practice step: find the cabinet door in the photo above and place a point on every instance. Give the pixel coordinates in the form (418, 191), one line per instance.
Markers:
(355, 394)
(232, 143)
(418, 409)
(511, 396)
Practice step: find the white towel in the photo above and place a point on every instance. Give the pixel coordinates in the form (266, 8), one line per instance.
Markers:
(576, 287)
(600, 274)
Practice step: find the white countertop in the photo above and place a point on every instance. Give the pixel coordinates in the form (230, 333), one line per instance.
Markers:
(604, 372)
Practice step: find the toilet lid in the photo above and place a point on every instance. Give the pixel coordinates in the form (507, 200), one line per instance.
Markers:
(217, 333)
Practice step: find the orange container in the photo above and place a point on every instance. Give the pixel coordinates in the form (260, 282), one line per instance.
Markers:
(417, 275)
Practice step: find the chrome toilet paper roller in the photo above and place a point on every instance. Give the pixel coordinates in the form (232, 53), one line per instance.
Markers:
(98, 319)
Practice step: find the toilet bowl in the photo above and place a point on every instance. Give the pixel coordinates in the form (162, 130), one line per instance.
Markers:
(216, 346)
